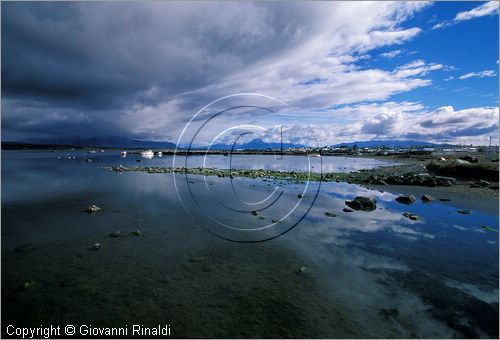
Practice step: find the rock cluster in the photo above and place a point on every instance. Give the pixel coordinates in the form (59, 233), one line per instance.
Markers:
(411, 179)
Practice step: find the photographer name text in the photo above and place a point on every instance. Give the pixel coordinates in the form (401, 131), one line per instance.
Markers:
(86, 330)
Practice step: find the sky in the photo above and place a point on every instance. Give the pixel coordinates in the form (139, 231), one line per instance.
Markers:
(342, 71)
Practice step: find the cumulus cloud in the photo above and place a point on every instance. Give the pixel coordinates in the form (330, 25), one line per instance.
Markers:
(407, 121)
(143, 70)
(488, 8)
(482, 74)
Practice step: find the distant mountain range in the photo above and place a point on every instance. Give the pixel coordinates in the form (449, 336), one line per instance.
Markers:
(390, 144)
(256, 144)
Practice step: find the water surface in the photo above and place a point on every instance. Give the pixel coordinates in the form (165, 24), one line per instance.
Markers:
(367, 274)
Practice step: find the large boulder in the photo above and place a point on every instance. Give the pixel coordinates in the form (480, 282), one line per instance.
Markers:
(362, 203)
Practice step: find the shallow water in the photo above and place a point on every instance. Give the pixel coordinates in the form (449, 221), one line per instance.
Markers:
(367, 274)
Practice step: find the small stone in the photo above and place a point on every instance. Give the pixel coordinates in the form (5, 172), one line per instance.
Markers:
(406, 199)
(96, 246)
(299, 196)
(411, 216)
(465, 212)
(427, 198)
(254, 213)
(262, 218)
(276, 221)
(347, 210)
(115, 234)
(136, 232)
(303, 269)
(329, 214)
(28, 284)
(93, 208)
(485, 227)
(445, 199)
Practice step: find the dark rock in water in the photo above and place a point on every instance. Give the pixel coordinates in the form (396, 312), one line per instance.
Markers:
(411, 216)
(427, 198)
(276, 221)
(422, 179)
(445, 199)
(488, 228)
(406, 199)
(347, 210)
(115, 234)
(465, 212)
(136, 232)
(302, 269)
(88, 160)
(138, 160)
(299, 196)
(96, 246)
(329, 214)
(26, 248)
(254, 213)
(362, 203)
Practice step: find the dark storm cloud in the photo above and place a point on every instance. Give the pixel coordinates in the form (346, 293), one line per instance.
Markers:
(105, 57)
(108, 55)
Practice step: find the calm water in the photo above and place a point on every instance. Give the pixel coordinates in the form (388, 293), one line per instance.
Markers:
(365, 274)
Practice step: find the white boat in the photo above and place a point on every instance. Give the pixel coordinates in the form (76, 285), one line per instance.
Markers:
(147, 154)
(91, 151)
(159, 154)
(314, 155)
(124, 153)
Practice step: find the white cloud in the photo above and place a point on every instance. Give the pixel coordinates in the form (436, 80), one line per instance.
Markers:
(488, 8)
(482, 74)
(391, 54)
(412, 121)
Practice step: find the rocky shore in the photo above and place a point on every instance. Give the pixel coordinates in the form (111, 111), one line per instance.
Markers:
(412, 174)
